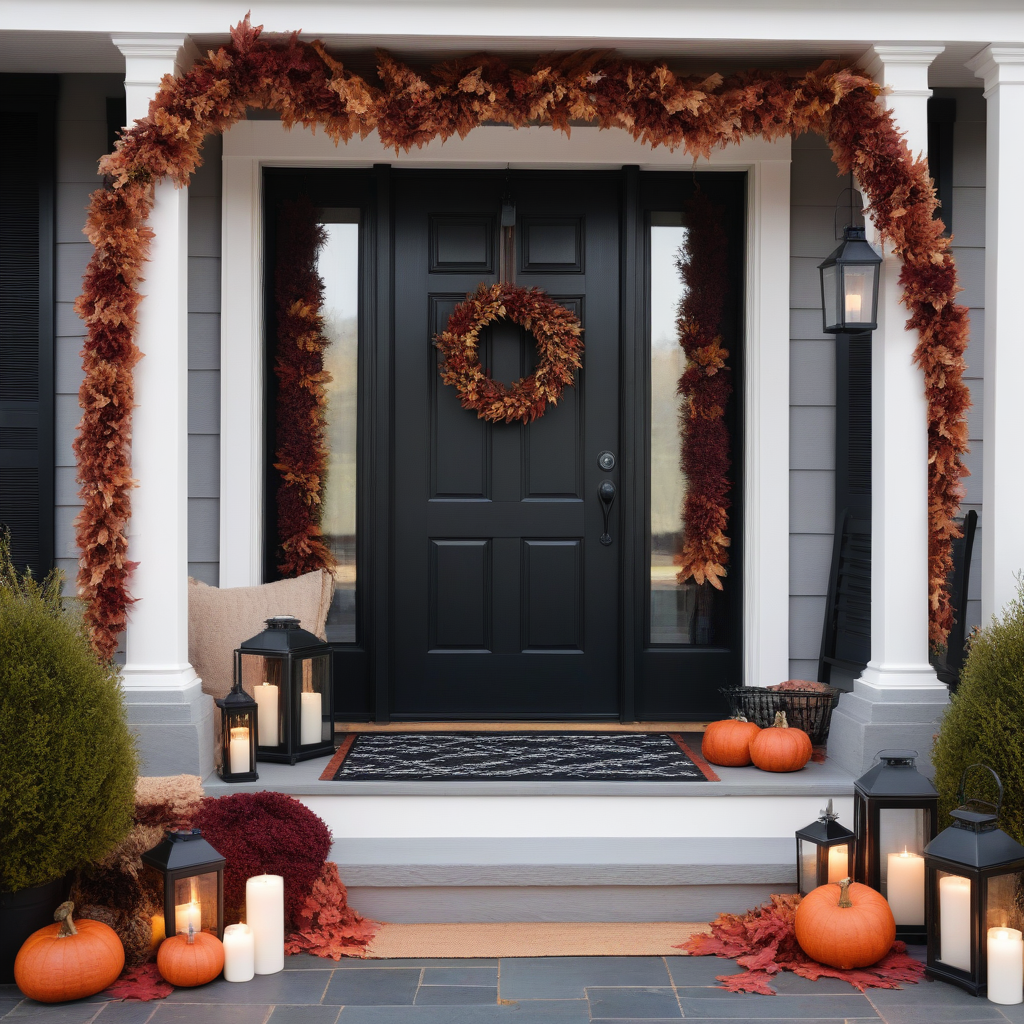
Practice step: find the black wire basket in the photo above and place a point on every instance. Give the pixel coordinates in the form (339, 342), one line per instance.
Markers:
(810, 710)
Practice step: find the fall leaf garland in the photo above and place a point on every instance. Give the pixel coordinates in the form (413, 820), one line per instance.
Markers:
(706, 386)
(649, 101)
(300, 454)
(558, 334)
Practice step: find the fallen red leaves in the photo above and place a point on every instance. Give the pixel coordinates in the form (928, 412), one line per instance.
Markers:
(327, 925)
(764, 942)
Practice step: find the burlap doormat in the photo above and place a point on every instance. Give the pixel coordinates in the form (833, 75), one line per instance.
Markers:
(510, 939)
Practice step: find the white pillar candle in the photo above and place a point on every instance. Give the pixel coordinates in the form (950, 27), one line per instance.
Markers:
(238, 749)
(905, 887)
(311, 722)
(1005, 966)
(838, 863)
(267, 698)
(264, 913)
(853, 307)
(186, 914)
(955, 921)
(239, 953)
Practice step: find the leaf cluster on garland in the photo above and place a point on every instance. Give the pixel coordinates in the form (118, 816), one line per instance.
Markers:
(648, 100)
(706, 387)
(764, 942)
(300, 450)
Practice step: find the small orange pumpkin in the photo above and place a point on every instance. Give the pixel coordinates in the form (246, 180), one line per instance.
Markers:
(845, 925)
(728, 742)
(190, 960)
(781, 748)
(63, 961)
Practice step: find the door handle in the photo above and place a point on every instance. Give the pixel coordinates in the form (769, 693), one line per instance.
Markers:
(606, 494)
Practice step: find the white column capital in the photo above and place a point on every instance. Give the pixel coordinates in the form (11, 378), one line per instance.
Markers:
(901, 69)
(147, 59)
(998, 65)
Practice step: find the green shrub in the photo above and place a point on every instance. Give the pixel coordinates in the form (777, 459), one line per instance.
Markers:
(67, 759)
(985, 720)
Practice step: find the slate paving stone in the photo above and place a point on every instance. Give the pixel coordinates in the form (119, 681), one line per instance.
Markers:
(352, 963)
(460, 976)
(129, 1012)
(47, 1013)
(907, 1014)
(690, 971)
(284, 987)
(567, 977)
(372, 988)
(539, 1011)
(633, 1003)
(1014, 1014)
(185, 1013)
(304, 1015)
(456, 995)
(717, 1003)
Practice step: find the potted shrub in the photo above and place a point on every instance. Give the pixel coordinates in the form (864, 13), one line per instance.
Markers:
(984, 723)
(67, 758)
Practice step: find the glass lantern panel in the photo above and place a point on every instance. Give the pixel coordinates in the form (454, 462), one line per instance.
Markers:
(1004, 901)
(195, 902)
(858, 294)
(954, 924)
(240, 726)
(312, 679)
(902, 835)
(807, 866)
(838, 862)
(261, 677)
(830, 293)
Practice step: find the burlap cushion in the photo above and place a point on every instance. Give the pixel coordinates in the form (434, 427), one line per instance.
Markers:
(219, 620)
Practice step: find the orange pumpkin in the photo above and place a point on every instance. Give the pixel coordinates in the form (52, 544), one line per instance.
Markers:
(781, 748)
(728, 742)
(190, 960)
(845, 925)
(67, 961)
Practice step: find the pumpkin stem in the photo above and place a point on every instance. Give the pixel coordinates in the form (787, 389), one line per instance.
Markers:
(63, 914)
(739, 718)
(780, 720)
(844, 893)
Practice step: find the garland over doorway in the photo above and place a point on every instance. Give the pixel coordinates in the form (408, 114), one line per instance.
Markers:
(307, 86)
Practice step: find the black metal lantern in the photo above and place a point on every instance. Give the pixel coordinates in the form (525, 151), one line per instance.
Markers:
(288, 672)
(239, 724)
(849, 285)
(189, 873)
(824, 852)
(975, 886)
(895, 809)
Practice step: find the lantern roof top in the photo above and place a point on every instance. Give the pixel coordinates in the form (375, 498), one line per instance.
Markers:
(182, 849)
(236, 699)
(854, 248)
(896, 775)
(284, 635)
(972, 840)
(826, 828)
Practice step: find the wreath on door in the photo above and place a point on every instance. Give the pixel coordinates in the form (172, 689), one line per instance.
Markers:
(558, 334)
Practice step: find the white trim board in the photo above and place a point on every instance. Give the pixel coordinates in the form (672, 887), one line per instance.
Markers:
(251, 145)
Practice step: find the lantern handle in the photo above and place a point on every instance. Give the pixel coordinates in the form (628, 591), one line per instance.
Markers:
(835, 214)
(962, 791)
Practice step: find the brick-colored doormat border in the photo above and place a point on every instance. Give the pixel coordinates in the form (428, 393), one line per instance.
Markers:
(470, 940)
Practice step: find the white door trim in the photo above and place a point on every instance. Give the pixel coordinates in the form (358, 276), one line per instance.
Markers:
(251, 145)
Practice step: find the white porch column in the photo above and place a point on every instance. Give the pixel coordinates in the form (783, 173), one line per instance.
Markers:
(898, 700)
(169, 711)
(1002, 546)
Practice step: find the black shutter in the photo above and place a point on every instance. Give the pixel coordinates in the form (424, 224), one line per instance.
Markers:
(27, 126)
(941, 119)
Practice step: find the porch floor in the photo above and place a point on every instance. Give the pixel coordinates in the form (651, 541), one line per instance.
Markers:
(567, 990)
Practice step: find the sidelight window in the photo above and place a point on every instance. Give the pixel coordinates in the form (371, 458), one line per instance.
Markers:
(338, 266)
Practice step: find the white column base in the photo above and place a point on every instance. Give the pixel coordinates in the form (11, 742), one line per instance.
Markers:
(173, 720)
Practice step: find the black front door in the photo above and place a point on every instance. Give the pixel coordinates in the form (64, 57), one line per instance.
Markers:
(506, 604)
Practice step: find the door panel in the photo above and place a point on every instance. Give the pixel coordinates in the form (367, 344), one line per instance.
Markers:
(506, 605)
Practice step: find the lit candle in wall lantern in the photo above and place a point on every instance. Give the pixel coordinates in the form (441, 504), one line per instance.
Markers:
(311, 723)
(1005, 966)
(955, 921)
(267, 698)
(186, 914)
(239, 953)
(905, 887)
(853, 307)
(239, 749)
(264, 913)
(838, 863)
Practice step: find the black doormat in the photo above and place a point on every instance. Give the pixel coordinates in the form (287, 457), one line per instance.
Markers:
(519, 757)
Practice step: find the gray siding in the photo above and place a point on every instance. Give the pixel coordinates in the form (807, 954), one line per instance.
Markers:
(204, 366)
(815, 188)
(81, 141)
